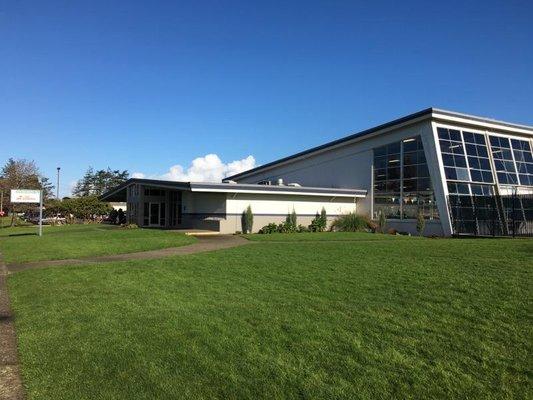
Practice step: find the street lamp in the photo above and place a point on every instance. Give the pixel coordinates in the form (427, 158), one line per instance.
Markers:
(57, 189)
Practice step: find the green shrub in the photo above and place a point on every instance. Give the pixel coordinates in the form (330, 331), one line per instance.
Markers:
(302, 229)
(247, 220)
(352, 223)
(130, 226)
(291, 222)
(319, 223)
(287, 227)
(268, 229)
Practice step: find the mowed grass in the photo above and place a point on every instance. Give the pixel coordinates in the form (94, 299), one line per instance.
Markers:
(21, 244)
(354, 320)
(324, 237)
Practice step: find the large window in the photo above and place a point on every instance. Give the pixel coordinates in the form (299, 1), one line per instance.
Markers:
(453, 154)
(503, 160)
(476, 205)
(513, 160)
(524, 161)
(402, 186)
(465, 156)
(477, 157)
(387, 174)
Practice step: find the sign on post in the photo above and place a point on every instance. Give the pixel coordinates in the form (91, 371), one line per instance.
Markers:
(30, 196)
(25, 196)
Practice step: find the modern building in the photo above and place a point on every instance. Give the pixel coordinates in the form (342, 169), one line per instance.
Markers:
(219, 206)
(464, 174)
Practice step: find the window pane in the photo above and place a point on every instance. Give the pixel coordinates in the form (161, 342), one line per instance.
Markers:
(410, 158)
(462, 174)
(393, 173)
(450, 173)
(468, 137)
(447, 160)
(410, 145)
(471, 149)
(455, 135)
(380, 162)
(443, 133)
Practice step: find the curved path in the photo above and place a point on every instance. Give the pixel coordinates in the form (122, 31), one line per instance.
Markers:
(204, 243)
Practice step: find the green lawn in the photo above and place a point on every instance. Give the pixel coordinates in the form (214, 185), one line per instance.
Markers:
(21, 244)
(324, 236)
(364, 319)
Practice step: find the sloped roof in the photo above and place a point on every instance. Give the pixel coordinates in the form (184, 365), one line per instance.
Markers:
(411, 118)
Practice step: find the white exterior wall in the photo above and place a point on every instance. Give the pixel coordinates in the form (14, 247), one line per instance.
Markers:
(284, 204)
(270, 208)
(223, 211)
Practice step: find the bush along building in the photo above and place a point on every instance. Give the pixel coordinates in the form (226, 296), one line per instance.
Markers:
(465, 175)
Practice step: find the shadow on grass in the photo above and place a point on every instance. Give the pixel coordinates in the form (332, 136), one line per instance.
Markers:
(23, 234)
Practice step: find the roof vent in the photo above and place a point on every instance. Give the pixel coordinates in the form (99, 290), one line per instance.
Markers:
(280, 182)
(231, 182)
(294, 184)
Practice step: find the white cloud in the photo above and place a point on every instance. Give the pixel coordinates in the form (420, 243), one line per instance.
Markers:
(209, 168)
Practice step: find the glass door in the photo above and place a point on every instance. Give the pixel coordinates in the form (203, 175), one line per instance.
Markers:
(154, 214)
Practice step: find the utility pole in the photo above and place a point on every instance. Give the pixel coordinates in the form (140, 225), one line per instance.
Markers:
(57, 188)
(1, 208)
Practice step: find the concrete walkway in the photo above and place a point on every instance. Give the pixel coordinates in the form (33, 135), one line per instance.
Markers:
(204, 243)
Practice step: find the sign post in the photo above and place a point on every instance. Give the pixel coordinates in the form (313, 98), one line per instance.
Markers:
(40, 213)
(30, 196)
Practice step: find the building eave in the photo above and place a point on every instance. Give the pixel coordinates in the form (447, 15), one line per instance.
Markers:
(276, 190)
(235, 188)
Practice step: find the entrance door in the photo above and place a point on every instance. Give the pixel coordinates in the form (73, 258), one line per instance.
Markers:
(154, 214)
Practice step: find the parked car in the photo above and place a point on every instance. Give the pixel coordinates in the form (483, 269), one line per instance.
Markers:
(55, 220)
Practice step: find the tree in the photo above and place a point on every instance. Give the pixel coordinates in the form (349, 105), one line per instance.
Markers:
(86, 207)
(95, 183)
(420, 223)
(22, 174)
(247, 220)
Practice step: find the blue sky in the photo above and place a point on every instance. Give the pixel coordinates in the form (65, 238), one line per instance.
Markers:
(145, 86)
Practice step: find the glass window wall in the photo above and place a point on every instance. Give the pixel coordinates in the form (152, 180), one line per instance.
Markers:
(402, 185)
